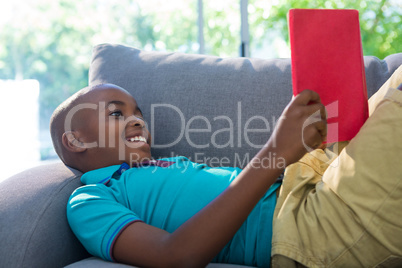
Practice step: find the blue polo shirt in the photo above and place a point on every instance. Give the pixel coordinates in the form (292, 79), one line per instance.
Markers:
(164, 194)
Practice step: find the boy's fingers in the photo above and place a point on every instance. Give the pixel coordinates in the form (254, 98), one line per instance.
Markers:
(307, 96)
(313, 108)
(322, 129)
(311, 137)
(312, 100)
(316, 134)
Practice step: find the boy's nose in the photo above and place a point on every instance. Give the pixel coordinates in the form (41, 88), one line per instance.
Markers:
(135, 121)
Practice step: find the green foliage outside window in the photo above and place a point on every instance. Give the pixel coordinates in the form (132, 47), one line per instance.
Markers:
(380, 21)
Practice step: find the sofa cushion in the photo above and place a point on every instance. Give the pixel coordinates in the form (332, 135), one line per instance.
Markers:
(210, 109)
(196, 105)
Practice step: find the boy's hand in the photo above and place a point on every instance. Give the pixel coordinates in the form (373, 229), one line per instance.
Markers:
(301, 127)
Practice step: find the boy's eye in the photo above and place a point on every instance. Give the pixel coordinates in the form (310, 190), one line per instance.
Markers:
(116, 113)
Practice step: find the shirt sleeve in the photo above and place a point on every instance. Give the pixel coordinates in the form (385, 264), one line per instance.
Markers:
(97, 219)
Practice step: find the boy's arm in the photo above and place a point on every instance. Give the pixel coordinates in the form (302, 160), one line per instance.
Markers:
(201, 238)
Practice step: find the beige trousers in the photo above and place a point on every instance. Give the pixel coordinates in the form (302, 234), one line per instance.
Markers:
(346, 211)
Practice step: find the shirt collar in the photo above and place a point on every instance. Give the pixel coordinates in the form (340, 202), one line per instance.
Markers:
(103, 175)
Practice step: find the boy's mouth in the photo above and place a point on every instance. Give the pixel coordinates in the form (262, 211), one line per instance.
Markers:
(136, 139)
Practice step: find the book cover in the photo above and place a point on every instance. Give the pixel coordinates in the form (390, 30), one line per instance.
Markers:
(327, 57)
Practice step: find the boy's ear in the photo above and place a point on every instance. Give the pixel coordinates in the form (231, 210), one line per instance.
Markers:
(71, 143)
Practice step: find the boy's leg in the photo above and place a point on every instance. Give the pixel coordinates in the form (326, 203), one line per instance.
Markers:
(369, 182)
(353, 216)
(393, 82)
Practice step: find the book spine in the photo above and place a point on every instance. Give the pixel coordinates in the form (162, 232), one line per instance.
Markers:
(295, 87)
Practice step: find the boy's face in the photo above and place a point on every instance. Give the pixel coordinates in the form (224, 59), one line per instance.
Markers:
(112, 128)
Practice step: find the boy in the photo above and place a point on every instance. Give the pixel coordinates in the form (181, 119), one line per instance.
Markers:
(108, 114)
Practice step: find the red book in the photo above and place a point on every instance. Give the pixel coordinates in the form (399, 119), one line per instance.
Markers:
(327, 57)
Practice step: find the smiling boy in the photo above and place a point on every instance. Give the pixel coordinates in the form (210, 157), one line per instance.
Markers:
(183, 214)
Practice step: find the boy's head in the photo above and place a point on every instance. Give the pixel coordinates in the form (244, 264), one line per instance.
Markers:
(100, 126)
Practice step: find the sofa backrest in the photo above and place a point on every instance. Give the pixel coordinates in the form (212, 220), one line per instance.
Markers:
(213, 110)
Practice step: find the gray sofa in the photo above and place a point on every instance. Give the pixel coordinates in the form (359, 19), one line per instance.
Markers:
(213, 110)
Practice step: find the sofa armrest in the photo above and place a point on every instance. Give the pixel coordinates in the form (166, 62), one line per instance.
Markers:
(33, 226)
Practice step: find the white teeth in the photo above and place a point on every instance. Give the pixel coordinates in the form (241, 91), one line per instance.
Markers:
(138, 138)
